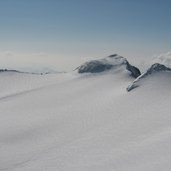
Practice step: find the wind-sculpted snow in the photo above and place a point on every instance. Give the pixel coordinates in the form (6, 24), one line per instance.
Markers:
(13, 82)
(155, 68)
(111, 62)
(84, 122)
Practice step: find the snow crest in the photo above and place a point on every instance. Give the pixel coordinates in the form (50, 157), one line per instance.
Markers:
(164, 59)
(155, 68)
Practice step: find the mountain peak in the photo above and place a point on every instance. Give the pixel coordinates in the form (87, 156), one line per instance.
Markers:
(155, 68)
(111, 62)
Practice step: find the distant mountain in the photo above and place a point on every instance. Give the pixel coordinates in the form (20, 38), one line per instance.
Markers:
(155, 68)
(27, 72)
(8, 70)
(111, 62)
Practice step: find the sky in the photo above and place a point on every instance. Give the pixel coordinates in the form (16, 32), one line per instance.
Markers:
(62, 34)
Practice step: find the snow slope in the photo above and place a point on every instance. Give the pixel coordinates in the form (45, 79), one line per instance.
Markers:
(84, 122)
(154, 69)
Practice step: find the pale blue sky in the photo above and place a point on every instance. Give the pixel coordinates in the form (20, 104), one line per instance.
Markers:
(65, 33)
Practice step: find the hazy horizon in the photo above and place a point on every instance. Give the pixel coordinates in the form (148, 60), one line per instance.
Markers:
(63, 34)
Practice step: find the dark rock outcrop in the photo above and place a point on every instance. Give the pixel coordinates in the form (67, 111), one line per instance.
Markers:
(135, 72)
(157, 68)
(110, 62)
(94, 67)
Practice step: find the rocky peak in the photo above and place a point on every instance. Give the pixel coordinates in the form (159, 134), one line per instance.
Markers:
(110, 62)
(157, 67)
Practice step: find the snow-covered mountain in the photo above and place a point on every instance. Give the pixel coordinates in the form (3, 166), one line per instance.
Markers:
(85, 122)
(111, 62)
(154, 69)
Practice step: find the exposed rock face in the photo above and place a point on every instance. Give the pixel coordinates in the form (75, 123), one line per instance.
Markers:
(157, 68)
(153, 69)
(110, 62)
(94, 67)
(135, 72)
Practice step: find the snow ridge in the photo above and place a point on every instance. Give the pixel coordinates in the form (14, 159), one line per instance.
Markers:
(155, 68)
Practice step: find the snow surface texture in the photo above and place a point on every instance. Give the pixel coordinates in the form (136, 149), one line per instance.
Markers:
(84, 122)
(111, 62)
